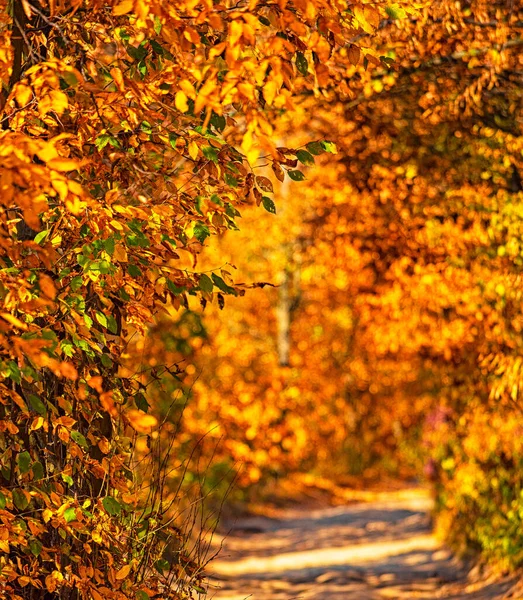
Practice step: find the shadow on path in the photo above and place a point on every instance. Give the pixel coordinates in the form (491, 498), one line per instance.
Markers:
(371, 551)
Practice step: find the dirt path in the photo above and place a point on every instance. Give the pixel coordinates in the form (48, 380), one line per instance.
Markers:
(371, 551)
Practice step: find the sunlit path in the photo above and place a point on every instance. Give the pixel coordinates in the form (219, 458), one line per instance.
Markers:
(380, 549)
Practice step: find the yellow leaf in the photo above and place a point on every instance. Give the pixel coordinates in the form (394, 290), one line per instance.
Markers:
(36, 424)
(61, 187)
(76, 206)
(359, 13)
(189, 230)
(13, 320)
(193, 150)
(23, 94)
(123, 572)
(180, 101)
(96, 537)
(46, 515)
(123, 8)
(235, 33)
(59, 101)
(47, 152)
(141, 422)
(63, 164)
(116, 225)
(120, 253)
(270, 91)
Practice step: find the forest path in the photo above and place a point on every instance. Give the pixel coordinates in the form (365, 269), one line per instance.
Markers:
(367, 551)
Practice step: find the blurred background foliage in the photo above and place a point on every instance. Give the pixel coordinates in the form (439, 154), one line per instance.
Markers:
(390, 344)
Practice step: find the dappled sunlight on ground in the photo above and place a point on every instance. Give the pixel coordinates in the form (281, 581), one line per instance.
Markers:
(366, 551)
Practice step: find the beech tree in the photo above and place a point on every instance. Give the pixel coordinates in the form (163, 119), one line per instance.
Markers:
(130, 134)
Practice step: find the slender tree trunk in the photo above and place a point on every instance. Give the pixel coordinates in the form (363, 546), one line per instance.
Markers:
(283, 316)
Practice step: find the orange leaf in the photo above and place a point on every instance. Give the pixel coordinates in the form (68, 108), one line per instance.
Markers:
(117, 76)
(353, 54)
(68, 370)
(47, 286)
(123, 572)
(96, 595)
(123, 8)
(141, 422)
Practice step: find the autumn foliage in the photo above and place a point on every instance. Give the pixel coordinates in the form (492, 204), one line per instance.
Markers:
(386, 137)
(130, 134)
(398, 271)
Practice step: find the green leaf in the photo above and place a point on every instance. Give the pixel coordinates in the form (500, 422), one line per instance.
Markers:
(23, 461)
(35, 547)
(106, 361)
(302, 63)
(173, 288)
(111, 505)
(40, 237)
(329, 147)
(141, 402)
(296, 175)
(67, 479)
(20, 499)
(230, 211)
(101, 318)
(38, 471)
(269, 205)
(210, 153)
(305, 157)
(395, 12)
(3, 501)
(76, 283)
(218, 122)
(70, 78)
(220, 284)
(108, 245)
(70, 515)
(112, 325)
(102, 140)
(162, 565)
(37, 405)
(201, 232)
(206, 284)
(156, 47)
(230, 180)
(134, 271)
(315, 148)
(137, 53)
(79, 439)
(13, 372)
(67, 348)
(199, 589)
